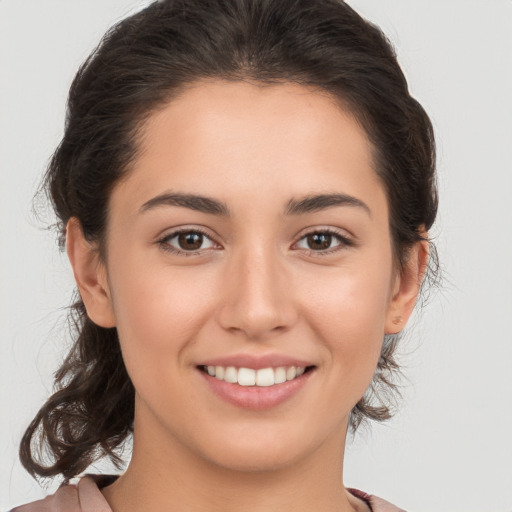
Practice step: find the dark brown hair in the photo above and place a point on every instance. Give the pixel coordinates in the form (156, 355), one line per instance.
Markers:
(140, 65)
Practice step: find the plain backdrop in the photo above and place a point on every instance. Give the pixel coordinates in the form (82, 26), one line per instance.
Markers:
(450, 447)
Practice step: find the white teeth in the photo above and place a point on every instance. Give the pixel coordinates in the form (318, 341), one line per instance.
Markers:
(280, 375)
(231, 374)
(246, 377)
(291, 373)
(263, 377)
(219, 372)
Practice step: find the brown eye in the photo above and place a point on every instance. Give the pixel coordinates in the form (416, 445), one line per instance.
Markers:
(323, 242)
(190, 241)
(183, 242)
(319, 241)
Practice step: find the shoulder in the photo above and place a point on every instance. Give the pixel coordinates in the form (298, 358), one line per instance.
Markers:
(375, 503)
(84, 496)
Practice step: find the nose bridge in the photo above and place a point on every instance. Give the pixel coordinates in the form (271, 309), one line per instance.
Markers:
(256, 302)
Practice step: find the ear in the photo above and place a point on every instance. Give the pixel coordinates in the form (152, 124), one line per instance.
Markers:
(407, 287)
(90, 275)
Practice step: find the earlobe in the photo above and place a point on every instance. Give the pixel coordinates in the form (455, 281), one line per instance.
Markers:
(90, 275)
(407, 288)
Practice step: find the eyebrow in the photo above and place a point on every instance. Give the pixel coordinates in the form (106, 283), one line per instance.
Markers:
(193, 202)
(308, 204)
(319, 202)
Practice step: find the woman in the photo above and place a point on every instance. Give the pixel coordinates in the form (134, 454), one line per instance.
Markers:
(245, 190)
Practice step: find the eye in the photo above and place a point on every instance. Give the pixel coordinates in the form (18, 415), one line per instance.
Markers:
(186, 241)
(323, 241)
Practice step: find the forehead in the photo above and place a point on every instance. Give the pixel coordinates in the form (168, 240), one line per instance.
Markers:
(217, 110)
(239, 139)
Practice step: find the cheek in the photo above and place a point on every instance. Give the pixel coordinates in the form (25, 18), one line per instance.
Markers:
(158, 312)
(348, 312)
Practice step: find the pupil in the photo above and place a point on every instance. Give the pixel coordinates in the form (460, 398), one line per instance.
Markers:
(319, 241)
(190, 241)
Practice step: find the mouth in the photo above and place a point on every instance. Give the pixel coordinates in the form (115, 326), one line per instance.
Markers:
(261, 377)
(256, 382)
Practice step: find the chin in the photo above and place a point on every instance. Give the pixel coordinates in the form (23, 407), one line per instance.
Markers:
(259, 450)
(253, 460)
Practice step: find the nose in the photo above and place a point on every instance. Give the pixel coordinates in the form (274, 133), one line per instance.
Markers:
(258, 299)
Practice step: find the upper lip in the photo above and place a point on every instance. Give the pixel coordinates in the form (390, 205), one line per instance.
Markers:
(255, 362)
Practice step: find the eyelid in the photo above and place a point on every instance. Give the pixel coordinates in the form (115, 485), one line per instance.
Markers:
(163, 239)
(345, 240)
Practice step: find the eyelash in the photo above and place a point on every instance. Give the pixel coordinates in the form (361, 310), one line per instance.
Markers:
(165, 246)
(343, 242)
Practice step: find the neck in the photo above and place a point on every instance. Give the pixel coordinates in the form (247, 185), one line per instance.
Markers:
(169, 476)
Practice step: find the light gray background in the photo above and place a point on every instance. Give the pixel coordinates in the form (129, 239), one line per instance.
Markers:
(450, 447)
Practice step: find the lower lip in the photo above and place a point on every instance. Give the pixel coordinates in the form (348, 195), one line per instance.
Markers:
(256, 397)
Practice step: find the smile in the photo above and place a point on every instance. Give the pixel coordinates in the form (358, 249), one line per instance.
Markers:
(263, 377)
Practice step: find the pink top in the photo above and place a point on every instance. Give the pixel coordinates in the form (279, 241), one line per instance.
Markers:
(86, 497)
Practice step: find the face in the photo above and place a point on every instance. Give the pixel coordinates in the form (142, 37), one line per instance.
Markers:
(252, 232)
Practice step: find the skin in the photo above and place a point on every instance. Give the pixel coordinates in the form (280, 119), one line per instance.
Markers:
(255, 286)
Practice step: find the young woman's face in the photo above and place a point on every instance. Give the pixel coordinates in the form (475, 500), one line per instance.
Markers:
(252, 232)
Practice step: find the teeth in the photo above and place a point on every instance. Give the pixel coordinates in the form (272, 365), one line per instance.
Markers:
(291, 373)
(265, 377)
(280, 375)
(249, 377)
(246, 377)
(219, 372)
(231, 374)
